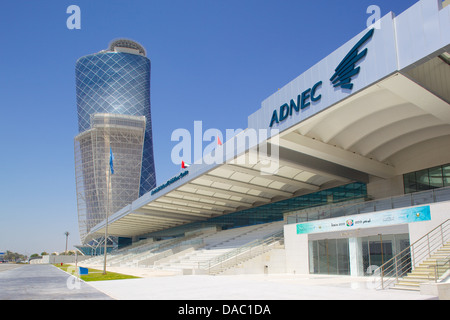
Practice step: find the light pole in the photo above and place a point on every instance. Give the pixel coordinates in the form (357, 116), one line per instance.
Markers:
(67, 238)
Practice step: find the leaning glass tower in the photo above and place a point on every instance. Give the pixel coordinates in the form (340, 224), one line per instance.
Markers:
(113, 82)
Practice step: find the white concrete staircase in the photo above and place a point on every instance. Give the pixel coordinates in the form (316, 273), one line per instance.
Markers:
(215, 245)
(428, 257)
(427, 271)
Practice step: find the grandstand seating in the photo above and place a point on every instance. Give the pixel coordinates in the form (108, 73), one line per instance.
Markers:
(185, 253)
(217, 244)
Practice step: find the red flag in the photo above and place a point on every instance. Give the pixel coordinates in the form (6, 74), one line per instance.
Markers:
(218, 141)
(184, 165)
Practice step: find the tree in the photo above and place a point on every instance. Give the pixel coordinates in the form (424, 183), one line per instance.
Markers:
(14, 256)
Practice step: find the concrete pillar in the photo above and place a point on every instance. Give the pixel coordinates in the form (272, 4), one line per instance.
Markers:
(356, 259)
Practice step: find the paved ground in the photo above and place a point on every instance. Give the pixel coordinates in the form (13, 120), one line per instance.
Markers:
(251, 287)
(9, 266)
(49, 283)
(43, 282)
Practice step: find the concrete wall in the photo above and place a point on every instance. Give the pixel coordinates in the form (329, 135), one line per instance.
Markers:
(383, 188)
(297, 250)
(58, 259)
(270, 262)
(440, 212)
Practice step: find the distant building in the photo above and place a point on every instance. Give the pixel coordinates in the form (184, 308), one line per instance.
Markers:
(113, 102)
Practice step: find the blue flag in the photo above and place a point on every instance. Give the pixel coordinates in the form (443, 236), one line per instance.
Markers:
(111, 158)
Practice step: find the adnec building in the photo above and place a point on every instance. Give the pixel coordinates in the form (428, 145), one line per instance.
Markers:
(363, 140)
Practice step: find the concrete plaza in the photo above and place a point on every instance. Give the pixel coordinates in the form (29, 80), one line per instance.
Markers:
(161, 286)
(42, 282)
(46, 282)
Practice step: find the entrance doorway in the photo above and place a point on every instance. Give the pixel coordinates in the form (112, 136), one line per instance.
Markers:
(375, 252)
(379, 249)
(330, 256)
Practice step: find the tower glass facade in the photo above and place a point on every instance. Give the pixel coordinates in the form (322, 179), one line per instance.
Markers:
(118, 83)
(113, 104)
(98, 192)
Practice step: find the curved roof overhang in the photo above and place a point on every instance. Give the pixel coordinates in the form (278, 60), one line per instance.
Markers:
(366, 135)
(374, 130)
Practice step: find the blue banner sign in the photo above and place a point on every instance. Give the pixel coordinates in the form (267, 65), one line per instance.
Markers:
(367, 220)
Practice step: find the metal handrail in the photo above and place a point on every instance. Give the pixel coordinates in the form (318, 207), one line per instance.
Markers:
(402, 263)
(440, 263)
(245, 248)
(234, 254)
(252, 251)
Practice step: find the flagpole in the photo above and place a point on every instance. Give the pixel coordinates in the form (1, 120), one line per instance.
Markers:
(106, 227)
(108, 188)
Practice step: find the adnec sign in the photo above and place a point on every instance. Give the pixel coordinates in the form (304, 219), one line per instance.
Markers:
(367, 58)
(342, 77)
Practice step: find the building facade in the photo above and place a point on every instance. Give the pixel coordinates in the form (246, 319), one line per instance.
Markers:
(113, 104)
(99, 192)
(363, 159)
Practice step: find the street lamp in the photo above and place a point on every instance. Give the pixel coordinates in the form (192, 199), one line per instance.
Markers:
(67, 237)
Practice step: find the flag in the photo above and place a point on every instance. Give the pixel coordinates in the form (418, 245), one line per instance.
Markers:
(218, 141)
(111, 158)
(184, 165)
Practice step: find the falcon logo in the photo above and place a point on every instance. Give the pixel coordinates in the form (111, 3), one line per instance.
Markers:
(346, 69)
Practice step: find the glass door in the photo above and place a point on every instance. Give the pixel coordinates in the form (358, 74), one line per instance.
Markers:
(329, 256)
(377, 250)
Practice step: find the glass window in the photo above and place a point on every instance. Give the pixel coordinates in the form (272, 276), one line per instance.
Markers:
(343, 255)
(313, 215)
(332, 256)
(426, 179)
(329, 256)
(409, 181)
(314, 257)
(422, 180)
(446, 175)
(323, 264)
(435, 176)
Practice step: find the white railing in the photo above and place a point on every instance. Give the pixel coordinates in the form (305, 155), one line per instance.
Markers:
(241, 254)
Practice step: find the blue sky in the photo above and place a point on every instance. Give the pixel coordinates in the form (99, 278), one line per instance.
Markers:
(212, 60)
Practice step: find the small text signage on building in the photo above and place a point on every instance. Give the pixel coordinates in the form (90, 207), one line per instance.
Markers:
(170, 181)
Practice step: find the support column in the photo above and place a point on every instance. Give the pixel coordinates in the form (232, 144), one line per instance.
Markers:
(356, 259)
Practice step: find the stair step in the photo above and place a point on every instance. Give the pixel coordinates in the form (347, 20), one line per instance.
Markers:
(424, 268)
(430, 261)
(430, 276)
(409, 288)
(415, 281)
(420, 270)
(408, 285)
(419, 274)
